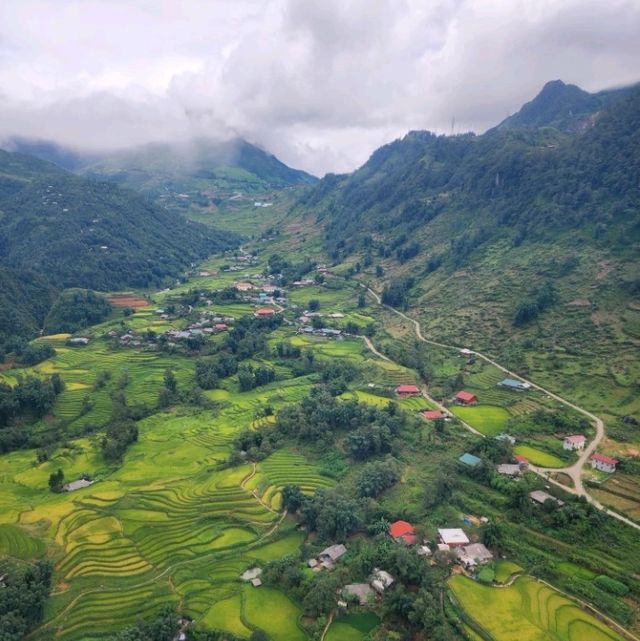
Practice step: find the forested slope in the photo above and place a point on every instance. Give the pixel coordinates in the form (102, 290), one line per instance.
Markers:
(523, 241)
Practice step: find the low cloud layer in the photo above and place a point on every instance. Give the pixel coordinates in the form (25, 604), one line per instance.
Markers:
(320, 84)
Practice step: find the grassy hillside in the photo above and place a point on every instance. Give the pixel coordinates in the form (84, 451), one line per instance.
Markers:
(523, 242)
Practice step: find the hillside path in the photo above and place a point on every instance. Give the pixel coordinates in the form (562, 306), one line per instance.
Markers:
(573, 471)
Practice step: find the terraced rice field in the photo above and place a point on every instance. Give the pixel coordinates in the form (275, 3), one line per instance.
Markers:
(527, 611)
(622, 492)
(167, 525)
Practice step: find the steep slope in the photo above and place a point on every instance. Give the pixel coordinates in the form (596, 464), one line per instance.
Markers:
(81, 233)
(524, 242)
(25, 299)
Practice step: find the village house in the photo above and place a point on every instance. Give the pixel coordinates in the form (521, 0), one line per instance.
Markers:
(509, 469)
(603, 463)
(80, 340)
(243, 287)
(423, 550)
(265, 312)
(470, 460)
(328, 557)
(514, 384)
(76, 485)
(474, 554)
(381, 580)
(402, 532)
(523, 461)
(407, 390)
(507, 438)
(466, 398)
(453, 537)
(432, 415)
(574, 442)
(540, 497)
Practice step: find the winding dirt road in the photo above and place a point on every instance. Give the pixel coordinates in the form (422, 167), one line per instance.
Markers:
(573, 471)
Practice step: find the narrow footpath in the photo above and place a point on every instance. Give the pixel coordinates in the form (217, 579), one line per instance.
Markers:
(574, 471)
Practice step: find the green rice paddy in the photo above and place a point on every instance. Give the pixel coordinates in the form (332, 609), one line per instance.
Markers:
(487, 419)
(527, 611)
(538, 457)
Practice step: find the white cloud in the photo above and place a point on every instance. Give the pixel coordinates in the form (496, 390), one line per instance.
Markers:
(320, 84)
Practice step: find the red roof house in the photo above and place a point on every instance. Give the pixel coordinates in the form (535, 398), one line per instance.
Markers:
(523, 460)
(407, 390)
(466, 398)
(403, 531)
(265, 312)
(432, 415)
(604, 463)
(221, 327)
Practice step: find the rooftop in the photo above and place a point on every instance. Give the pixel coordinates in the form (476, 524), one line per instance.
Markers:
(470, 460)
(453, 536)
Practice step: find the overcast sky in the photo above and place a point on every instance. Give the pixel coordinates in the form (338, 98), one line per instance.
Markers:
(319, 83)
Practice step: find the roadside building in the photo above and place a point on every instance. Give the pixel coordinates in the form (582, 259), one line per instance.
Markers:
(574, 442)
(604, 463)
(514, 384)
(432, 415)
(407, 390)
(509, 469)
(466, 398)
(541, 497)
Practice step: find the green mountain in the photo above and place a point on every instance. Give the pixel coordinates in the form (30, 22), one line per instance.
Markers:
(198, 173)
(522, 241)
(74, 232)
(565, 107)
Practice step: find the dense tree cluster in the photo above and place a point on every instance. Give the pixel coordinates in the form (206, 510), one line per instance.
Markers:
(30, 399)
(22, 597)
(76, 309)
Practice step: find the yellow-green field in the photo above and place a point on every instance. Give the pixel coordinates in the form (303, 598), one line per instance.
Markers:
(527, 611)
(538, 457)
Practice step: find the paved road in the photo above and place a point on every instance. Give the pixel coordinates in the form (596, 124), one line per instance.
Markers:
(573, 471)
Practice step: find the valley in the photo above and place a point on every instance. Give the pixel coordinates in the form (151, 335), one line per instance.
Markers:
(240, 403)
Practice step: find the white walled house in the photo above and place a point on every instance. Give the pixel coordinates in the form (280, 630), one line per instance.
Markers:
(574, 442)
(603, 463)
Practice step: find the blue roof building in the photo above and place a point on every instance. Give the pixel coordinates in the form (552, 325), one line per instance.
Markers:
(512, 383)
(470, 460)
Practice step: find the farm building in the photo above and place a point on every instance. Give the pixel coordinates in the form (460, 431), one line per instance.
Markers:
(507, 438)
(423, 550)
(407, 390)
(76, 485)
(432, 415)
(521, 460)
(514, 384)
(466, 398)
(574, 442)
(453, 537)
(330, 555)
(381, 580)
(402, 532)
(509, 469)
(470, 460)
(603, 463)
(540, 496)
(80, 340)
(466, 352)
(243, 287)
(474, 554)
(251, 574)
(265, 312)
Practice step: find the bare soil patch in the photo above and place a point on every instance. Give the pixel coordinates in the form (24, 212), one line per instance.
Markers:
(128, 301)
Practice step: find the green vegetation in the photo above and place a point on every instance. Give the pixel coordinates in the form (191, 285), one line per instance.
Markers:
(76, 309)
(488, 419)
(538, 457)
